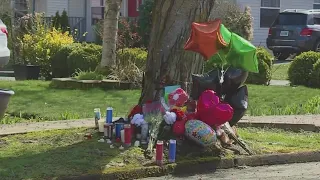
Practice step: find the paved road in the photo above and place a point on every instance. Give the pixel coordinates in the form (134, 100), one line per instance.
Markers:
(307, 171)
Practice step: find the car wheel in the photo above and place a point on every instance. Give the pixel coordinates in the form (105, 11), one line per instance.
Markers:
(281, 55)
(317, 46)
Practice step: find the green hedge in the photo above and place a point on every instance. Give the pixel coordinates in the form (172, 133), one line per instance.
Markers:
(304, 70)
(265, 67)
(86, 57)
(70, 58)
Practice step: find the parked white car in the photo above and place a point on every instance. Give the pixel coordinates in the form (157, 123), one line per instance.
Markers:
(4, 51)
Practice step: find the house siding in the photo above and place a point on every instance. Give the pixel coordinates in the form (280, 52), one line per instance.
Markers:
(56, 5)
(40, 6)
(76, 8)
(260, 34)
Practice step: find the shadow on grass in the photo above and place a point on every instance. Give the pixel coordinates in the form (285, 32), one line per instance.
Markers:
(86, 157)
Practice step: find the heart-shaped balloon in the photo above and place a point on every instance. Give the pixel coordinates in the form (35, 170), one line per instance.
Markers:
(222, 114)
(208, 100)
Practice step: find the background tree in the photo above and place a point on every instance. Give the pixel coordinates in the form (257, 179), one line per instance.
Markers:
(167, 62)
(110, 32)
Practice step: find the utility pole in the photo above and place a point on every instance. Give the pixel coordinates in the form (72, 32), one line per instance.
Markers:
(13, 14)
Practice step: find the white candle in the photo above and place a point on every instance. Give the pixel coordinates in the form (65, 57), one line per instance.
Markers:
(122, 136)
(101, 125)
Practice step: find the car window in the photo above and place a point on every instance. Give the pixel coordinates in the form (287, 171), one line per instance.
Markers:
(291, 19)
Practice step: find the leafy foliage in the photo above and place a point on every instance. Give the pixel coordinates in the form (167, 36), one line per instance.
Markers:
(303, 68)
(236, 20)
(265, 61)
(127, 34)
(41, 44)
(76, 56)
(88, 75)
(145, 21)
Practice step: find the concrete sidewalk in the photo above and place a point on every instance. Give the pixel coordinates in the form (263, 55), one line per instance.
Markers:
(294, 123)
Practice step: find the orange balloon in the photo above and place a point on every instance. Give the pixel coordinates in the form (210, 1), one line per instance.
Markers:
(204, 38)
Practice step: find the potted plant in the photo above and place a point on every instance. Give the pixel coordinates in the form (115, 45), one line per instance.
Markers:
(4, 100)
(26, 72)
(23, 69)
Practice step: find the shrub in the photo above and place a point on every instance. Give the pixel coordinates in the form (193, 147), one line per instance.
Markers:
(127, 34)
(145, 21)
(236, 20)
(88, 75)
(315, 75)
(136, 55)
(301, 69)
(39, 45)
(61, 22)
(265, 61)
(77, 56)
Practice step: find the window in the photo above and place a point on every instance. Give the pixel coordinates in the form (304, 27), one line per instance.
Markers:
(316, 4)
(97, 13)
(268, 12)
(295, 19)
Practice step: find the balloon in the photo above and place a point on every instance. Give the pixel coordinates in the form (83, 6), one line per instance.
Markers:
(204, 38)
(178, 128)
(200, 133)
(222, 113)
(233, 79)
(239, 103)
(207, 100)
(242, 54)
(200, 83)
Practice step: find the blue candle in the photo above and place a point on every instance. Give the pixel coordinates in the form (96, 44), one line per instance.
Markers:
(172, 150)
(109, 115)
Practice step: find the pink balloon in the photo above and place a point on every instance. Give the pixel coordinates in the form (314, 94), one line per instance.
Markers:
(222, 114)
(207, 100)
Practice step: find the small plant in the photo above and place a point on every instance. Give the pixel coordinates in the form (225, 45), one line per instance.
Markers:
(88, 75)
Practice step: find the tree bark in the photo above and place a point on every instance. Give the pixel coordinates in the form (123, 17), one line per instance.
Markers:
(168, 63)
(110, 32)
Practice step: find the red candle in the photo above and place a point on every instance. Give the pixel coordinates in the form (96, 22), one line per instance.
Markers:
(159, 153)
(127, 134)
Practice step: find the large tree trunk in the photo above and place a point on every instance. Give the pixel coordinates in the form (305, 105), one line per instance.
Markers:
(110, 32)
(168, 63)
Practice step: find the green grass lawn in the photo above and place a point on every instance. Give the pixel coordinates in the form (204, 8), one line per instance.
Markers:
(280, 72)
(59, 153)
(35, 100)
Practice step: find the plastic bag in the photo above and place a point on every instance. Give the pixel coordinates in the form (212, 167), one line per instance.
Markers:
(239, 103)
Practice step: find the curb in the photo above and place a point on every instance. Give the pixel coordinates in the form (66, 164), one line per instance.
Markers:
(198, 167)
(284, 126)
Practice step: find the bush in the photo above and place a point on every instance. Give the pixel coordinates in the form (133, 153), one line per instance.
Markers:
(77, 56)
(127, 34)
(145, 21)
(236, 20)
(88, 75)
(39, 45)
(265, 61)
(131, 63)
(86, 57)
(301, 69)
(136, 55)
(315, 75)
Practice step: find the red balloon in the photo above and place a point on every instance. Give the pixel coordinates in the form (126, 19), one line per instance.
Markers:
(222, 113)
(204, 38)
(178, 128)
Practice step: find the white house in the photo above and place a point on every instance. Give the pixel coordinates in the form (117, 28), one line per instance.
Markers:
(264, 13)
(83, 13)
